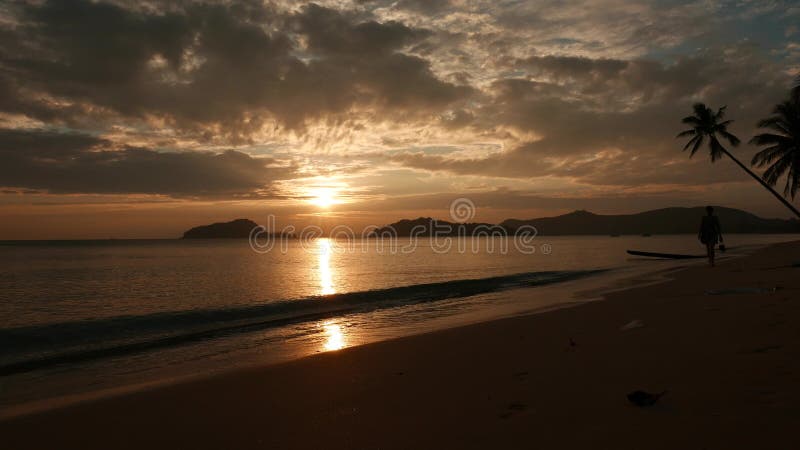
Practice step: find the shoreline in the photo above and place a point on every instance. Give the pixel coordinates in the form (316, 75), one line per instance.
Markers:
(511, 303)
(435, 378)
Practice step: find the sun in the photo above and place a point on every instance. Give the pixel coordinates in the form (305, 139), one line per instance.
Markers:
(324, 197)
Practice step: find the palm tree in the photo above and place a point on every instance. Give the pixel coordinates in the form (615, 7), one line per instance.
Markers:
(783, 152)
(706, 124)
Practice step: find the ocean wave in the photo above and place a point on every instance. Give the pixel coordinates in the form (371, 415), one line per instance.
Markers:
(25, 349)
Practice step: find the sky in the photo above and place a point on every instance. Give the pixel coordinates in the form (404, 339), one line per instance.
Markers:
(141, 119)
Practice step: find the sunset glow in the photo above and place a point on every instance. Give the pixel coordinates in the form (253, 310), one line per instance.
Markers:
(152, 120)
(324, 197)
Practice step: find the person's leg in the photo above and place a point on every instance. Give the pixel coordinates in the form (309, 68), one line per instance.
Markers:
(710, 250)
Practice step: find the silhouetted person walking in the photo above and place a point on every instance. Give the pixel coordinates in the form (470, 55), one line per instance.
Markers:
(710, 233)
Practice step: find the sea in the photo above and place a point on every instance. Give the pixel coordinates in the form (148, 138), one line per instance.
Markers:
(88, 318)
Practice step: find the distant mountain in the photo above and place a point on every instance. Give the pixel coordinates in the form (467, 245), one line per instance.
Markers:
(236, 229)
(658, 221)
(426, 226)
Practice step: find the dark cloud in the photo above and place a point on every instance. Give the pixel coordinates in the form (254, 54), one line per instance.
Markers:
(202, 65)
(424, 6)
(363, 59)
(334, 32)
(42, 144)
(427, 7)
(615, 80)
(575, 66)
(582, 26)
(611, 168)
(78, 163)
(613, 122)
(233, 66)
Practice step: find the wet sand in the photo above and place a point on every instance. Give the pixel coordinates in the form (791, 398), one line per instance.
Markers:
(730, 361)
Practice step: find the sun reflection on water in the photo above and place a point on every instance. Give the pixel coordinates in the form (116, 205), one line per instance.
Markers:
(325, 273)
(334, 336)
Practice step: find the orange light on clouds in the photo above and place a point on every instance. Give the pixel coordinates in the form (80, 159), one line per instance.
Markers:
(324, 197)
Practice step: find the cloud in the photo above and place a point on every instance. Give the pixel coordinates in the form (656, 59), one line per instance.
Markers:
(612, 122)
(233, 67)
(424, 6)
(78, 163)
(577, 93)
(332, 32)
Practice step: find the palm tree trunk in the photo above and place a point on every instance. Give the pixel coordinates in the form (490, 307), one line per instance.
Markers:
(764, 183)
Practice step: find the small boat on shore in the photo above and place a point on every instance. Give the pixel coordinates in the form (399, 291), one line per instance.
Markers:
(663, 255)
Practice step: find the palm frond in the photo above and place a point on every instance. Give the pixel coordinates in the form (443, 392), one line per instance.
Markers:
(787, 111)
(774, 172)
(691, 120)
(725, 123)
(734, 141)
(697, 145)
(717, 150)
(776, 123)
(693, 141)
(720, 113)
(690, 132)
(782, 152)
(770, 139)
(767, 155)
(700, 109)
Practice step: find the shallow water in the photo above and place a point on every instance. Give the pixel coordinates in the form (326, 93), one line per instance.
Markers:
(81, 316)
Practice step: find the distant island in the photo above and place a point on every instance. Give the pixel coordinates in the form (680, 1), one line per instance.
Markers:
(427, 226)
(658, 221)
(235, 229)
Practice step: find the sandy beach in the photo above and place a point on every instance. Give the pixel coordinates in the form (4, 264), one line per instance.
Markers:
(723, 341)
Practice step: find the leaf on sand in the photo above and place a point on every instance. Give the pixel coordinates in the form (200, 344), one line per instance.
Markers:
(636, 323)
